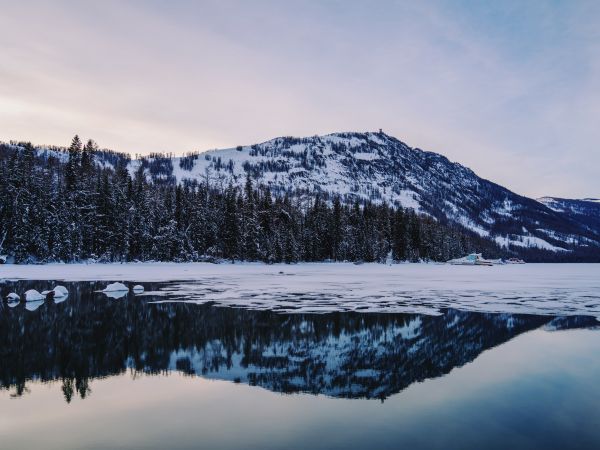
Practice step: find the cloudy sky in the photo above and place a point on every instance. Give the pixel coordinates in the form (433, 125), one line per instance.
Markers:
(509, 89)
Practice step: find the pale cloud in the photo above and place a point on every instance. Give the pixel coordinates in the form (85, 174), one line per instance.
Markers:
(510, 90)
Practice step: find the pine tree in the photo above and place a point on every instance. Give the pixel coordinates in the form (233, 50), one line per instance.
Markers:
(73, 165)
(230, 235)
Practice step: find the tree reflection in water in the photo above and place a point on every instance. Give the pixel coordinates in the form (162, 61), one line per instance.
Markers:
(350, 355)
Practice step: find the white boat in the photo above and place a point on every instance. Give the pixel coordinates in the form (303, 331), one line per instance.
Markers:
(474, 259)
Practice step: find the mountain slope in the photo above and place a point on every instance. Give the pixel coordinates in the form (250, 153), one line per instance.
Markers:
(380, 168)
(585, 211)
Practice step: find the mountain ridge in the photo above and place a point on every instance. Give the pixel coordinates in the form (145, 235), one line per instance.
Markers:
(378, 168)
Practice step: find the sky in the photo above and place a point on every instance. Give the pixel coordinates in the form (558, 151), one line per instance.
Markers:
(510, 89)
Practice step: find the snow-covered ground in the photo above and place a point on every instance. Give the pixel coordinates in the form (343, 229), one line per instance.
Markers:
(565, 289)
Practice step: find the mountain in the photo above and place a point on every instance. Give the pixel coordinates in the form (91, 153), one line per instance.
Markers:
(380, 168)
(85, 205)
(376, 167)
(585, 211)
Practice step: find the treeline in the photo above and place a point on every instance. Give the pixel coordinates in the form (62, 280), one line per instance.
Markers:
(73, 209)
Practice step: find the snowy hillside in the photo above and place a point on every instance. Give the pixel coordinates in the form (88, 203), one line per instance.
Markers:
(585, 211)
(375, 167)
(380, 168)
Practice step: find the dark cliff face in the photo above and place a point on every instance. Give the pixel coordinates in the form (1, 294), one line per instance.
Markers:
(349, 355)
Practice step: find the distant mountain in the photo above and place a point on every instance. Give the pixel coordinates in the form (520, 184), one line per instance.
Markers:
(586, 211)
(379, 168)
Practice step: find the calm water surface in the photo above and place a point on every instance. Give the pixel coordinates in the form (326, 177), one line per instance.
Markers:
(98, 372)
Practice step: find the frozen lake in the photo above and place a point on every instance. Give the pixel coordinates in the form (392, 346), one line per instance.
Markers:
(301, 356)
(554, 289)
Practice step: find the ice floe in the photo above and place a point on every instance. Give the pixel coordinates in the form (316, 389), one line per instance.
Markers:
(32, 295)
(34, 304)
(115, 294)
(115, 287)
(116, 290)
(60, 291)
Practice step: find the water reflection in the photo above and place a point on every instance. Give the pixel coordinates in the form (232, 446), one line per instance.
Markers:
(349, 355)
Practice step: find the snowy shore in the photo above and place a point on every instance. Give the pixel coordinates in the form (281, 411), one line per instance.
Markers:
(417, 275)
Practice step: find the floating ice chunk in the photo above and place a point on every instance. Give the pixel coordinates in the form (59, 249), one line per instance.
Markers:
(116, 290)
(115, 294)
(60, 291)
(32, 295)
(34, 304)
(13, 297)
(116, 287)
(138, 289)
(59, 299)
(59, 294)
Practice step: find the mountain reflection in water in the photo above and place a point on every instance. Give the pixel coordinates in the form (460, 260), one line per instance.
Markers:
(348, 355)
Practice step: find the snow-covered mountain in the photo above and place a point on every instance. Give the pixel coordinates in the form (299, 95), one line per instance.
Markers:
(585, 211)
(377, 167)
(380, 168)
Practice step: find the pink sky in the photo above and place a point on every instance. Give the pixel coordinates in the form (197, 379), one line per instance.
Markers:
(510, 91)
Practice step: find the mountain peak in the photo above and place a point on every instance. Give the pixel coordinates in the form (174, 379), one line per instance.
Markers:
(378, 168)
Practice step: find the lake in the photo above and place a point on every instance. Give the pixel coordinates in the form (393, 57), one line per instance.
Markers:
(214, 362)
